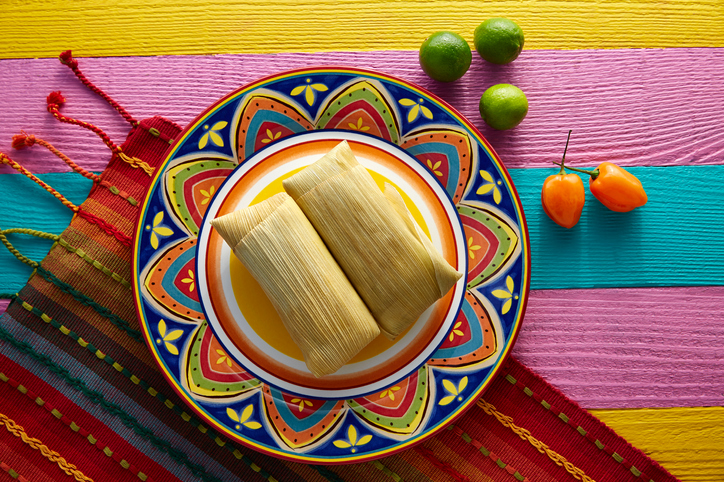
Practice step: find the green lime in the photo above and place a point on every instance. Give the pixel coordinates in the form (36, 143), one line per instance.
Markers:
(503, 106)
(499, 40)
(445, 56)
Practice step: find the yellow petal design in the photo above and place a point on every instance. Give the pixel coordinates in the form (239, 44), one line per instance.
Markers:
(298, 90)
(320, 87)
(463, 383)
(216, 138)
(450, 386)
(204, 140)
(162, 328)
(219, 125)
(162, 231)
(341, 444)
(485, 188)
(496, 196)
(446, 400)
(352, 434)
(252, 425)
(506, 306)
(246, 413)
(171, 348)
(502, 294)
(426, 112)
(407, 102)
(414, 112)
(509, 284)
(157, 218)
(364, 440)
(232, 414)
(309, 96)
(174, 335)
(486, 175)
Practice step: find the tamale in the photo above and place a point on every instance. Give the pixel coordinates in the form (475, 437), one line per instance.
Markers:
(389, 260)
(316, 302)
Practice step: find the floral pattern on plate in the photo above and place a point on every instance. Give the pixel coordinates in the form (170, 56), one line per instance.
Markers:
(262, 416)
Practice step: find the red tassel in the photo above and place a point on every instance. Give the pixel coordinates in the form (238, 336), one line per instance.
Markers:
(23, 140)
(27, 140)
(55, 100)
(66, 58)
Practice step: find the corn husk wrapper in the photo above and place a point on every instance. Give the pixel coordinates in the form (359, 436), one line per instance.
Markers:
(316, 302)
(374, 238)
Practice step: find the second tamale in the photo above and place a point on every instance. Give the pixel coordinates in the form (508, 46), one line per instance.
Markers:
(389, 260)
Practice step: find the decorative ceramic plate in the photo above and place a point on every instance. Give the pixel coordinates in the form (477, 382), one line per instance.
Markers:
(220, 356)
(242, 317)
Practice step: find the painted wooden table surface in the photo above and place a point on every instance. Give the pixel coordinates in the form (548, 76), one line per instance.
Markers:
(626, 312)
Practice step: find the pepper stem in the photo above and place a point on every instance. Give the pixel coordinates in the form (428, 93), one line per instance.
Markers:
(563, 160)
(593, 174)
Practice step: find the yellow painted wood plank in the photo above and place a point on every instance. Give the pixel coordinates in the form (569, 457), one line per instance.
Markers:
(688, 442)
(42, 28)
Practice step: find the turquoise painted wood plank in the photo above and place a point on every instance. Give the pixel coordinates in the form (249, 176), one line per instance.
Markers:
(27, 205)
(677, 239)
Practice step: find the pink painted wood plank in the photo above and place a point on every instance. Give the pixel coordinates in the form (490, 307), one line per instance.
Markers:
(628, 348)
(632, 107)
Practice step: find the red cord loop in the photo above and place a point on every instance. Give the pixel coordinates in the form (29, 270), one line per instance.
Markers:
(66, 58)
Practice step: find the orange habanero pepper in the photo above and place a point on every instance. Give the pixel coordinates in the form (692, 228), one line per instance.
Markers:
(563, 195)
(616, 188)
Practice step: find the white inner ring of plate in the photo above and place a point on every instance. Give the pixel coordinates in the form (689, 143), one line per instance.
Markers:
(228, 291)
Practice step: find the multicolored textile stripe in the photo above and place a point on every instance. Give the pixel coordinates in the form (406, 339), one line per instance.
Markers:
(74, 376)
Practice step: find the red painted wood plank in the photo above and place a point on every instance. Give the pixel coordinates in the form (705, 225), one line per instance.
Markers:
(628, 348)
(633, 107)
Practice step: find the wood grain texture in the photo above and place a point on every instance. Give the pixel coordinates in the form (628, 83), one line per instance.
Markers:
(606, 348)
(664, 111)
(40, 28)
(27, 205)
(676, 239)
(628, 348)
(689, 442)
